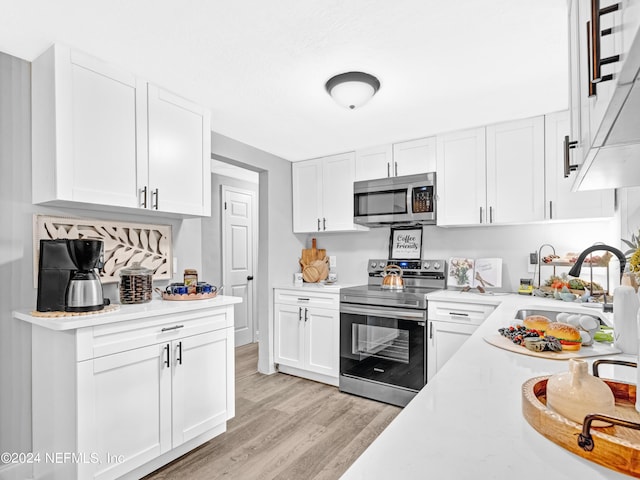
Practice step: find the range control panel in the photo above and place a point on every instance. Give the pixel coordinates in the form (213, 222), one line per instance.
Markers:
(409, 267)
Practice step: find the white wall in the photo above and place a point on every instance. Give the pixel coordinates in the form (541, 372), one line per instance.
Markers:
(511, 243)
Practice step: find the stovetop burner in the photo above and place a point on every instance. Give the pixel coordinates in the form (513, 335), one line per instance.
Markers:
(420, 278)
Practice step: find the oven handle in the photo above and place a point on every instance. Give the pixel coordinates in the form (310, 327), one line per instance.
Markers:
(383, 312)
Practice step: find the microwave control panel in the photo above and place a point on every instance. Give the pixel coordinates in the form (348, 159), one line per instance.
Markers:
(422, 199)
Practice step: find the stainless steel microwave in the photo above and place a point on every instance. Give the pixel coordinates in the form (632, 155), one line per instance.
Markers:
(410, 199)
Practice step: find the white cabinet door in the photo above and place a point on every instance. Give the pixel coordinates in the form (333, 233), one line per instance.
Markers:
(415, 156)
(461, 178)
(323, 194)
(124, 409)
(86, 129)
(515, 171)
(561, 203)
(445, 338)
(307, 195)
(199, 406)
(322, 340)
(289, 335)
(376, 162)
(338, 174)
(179, 154)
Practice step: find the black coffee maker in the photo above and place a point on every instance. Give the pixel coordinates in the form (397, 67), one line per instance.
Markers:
(67, 278)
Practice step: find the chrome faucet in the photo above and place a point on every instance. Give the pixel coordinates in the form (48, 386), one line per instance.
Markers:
(575, 270)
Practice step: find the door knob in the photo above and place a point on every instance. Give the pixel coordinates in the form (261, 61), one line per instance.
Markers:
(250, 277)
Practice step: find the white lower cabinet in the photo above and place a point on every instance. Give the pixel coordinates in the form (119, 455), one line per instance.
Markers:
(450, 325)
(307, 334)
(131, 396)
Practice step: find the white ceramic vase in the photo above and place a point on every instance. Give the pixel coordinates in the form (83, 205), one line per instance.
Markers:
(576, 393)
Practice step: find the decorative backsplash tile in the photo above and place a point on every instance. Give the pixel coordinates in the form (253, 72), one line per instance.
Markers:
(124, 243)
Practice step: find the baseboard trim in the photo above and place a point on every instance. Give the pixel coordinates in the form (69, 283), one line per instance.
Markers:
(18, 471)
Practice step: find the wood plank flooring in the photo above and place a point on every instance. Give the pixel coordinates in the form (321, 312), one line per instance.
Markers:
(285, 428)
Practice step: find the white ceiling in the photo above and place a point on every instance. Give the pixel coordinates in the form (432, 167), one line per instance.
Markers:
(261, 65)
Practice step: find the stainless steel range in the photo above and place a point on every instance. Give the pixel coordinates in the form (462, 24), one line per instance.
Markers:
(383, 331)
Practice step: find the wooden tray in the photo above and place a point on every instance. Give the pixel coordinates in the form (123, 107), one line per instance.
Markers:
(595, 350)
(191, 296)
(615, 447)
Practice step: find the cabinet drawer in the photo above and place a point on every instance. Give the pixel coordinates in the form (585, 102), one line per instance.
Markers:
(305, 298)
(469, 313)
(111, 338)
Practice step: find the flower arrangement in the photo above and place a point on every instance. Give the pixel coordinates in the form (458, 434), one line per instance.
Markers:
(633, 254)
(459, 268)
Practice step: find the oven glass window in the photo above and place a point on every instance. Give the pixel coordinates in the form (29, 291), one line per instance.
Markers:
(389, 343)
(381, 203)
(383, 349)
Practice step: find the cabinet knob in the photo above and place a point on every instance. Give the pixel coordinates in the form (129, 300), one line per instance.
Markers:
(249, 278)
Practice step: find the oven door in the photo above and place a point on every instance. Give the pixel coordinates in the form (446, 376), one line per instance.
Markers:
(383, 344)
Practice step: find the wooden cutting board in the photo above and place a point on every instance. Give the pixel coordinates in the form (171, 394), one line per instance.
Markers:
(311, 254)
(594, 350)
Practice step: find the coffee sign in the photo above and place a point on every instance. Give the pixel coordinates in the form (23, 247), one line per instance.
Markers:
(406, 243)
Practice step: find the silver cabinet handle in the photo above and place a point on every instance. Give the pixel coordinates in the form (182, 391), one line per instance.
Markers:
(481, 215)
(167, 361)
(490, 214)
(568, 168)
(388, 170)
(318, 224)
(550, 209)
(306, 315)
(154, 206)
(299, 314)
(143, 191)
(179, 357)
(430, 329)
(324, 223)
(176, 327)
(396, 168)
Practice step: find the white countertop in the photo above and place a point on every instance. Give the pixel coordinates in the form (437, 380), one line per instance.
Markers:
(467, 422)
(125, 312)
(320, 287)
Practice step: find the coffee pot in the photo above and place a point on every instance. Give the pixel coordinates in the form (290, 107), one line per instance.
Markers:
(84, 291)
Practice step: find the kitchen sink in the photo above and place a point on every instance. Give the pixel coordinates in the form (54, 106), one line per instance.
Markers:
(551, 314)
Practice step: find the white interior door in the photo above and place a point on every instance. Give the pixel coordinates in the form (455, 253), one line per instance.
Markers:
(238, 257)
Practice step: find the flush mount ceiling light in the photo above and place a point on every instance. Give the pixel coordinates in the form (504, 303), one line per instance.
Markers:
(352, 89)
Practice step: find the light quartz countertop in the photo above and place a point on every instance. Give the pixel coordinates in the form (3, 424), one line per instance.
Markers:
(319, 287)
(467, 422)
(126, 312)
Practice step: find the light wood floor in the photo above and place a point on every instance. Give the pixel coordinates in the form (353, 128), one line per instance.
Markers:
(285, 428)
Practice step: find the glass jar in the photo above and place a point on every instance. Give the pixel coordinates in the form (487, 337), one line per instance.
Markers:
(191, 279)
(135, 284)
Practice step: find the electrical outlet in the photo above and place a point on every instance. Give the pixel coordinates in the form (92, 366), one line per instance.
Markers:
(533, 262)
(175, 266)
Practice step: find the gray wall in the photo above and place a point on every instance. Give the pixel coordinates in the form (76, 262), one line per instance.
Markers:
(278, 249)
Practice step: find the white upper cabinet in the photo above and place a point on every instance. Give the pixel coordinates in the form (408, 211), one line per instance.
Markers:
(515, 171)
(493, 174)
(604, 50)
(461, 178)
(179, 179)
(323, 194)
(399, 159)
(375, 162)
(415, 156)
(561, 203)
(103, 138)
